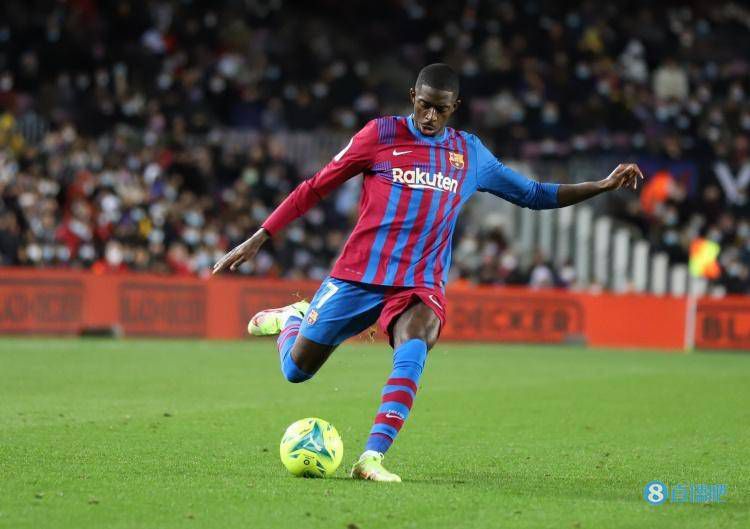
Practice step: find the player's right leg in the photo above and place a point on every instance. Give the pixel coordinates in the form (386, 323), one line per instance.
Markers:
(308, 333)
(413, 328)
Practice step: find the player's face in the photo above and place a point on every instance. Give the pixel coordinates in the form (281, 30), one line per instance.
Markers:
(432, 108)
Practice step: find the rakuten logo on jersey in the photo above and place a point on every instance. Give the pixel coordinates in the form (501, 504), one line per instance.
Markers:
(418, 179)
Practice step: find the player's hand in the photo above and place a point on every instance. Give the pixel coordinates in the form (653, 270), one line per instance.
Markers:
(625, 175)
(244, 252)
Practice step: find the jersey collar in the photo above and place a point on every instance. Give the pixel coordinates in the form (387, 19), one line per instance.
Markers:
(429, 139)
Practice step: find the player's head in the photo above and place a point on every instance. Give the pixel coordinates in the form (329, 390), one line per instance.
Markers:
(435, 97)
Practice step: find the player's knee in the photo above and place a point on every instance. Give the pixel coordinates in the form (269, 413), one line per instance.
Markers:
(292, 372)
(431, 335)
(420, 323)
(296, 377)
(426, 332)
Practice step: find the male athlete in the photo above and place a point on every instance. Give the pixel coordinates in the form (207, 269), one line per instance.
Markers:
(418, 173)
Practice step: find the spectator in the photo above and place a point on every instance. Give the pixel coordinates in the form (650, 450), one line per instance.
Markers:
(671, 81)
(541, 275)
(9, 238)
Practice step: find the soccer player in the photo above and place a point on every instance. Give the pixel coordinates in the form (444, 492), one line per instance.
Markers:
(418, 173)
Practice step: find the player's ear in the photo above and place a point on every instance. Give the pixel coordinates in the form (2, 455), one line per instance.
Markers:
(412, 95)
(456, 104)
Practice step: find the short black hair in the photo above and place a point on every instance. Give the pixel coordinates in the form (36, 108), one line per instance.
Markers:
(439, 76)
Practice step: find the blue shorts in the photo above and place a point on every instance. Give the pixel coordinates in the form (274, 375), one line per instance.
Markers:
(341, 309)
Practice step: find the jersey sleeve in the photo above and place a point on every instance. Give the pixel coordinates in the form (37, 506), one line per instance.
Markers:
(502, 181)
(352, 160)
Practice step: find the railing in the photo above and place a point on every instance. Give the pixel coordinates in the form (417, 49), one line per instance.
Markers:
(606, 254)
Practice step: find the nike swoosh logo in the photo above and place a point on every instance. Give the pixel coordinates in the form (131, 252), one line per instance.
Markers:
(399, 153)
(435, 301)
(393, 416)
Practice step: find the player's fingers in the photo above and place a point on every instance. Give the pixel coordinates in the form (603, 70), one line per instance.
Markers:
(630, 177)
(636, 171)
(236, 262)
(219, 266)
(225, 262)
(619, 170)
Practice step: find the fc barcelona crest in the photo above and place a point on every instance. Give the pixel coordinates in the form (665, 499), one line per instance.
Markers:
(456, 160)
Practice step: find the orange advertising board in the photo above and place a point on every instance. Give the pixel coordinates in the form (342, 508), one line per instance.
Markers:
(723, 324)
(40, 305)
(69, 302)
(513, 315)
(147, 309)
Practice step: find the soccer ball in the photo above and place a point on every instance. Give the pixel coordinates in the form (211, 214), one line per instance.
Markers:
(311, 448)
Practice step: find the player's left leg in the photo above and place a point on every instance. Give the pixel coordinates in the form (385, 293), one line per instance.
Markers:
(309, 332)
(413, 334)
(293, 348)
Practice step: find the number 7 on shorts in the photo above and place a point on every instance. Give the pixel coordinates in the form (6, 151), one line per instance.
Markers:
(332, 289)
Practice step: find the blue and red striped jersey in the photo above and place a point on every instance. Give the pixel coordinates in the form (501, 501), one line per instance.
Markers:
(413, 189)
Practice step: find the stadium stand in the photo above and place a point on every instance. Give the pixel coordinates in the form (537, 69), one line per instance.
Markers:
(155, 138)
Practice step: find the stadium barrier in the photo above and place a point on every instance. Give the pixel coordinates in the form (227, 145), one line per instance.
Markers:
(67, 302)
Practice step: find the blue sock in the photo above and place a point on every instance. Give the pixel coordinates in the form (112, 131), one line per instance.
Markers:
(398, 394)
(285, 343)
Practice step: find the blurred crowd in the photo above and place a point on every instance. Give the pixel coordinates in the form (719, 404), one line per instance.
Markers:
(485, 256)
(682, 203)
(114, 203)
(108, 110)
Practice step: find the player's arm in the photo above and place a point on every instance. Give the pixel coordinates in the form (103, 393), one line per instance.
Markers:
(352, 160)
(624, 175)
(496, 178)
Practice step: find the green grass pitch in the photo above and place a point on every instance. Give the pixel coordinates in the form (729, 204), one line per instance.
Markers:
(180, 434)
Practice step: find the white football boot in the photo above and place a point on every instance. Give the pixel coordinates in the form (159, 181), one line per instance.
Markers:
(271, 321)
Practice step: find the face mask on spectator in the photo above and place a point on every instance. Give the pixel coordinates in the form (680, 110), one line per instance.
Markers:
(114, 254)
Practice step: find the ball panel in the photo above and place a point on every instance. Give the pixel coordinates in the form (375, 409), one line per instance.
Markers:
(311, 447)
